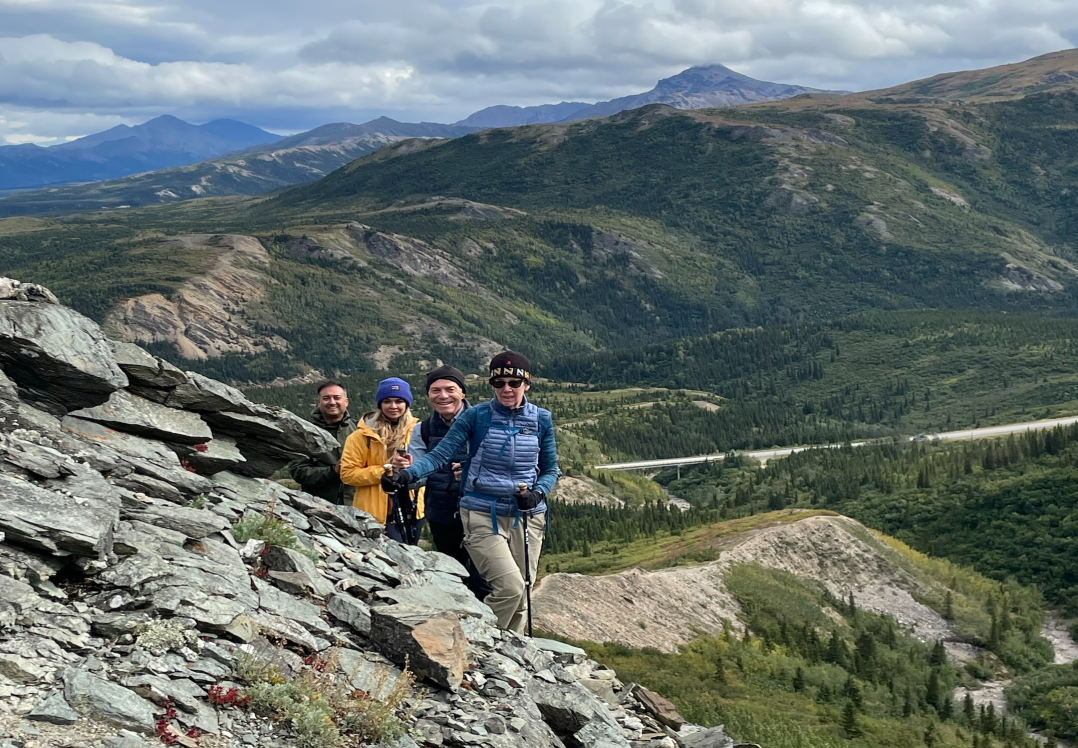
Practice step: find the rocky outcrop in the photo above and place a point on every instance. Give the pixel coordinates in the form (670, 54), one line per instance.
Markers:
(206, 316)
(57, 355)
(129, 607)
(669, 607)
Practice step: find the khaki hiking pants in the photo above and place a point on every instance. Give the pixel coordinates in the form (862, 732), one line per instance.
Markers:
(500, 559)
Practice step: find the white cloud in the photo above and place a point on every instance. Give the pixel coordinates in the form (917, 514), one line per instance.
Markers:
(133, 59)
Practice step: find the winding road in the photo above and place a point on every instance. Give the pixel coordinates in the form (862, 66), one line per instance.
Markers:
(763, 455)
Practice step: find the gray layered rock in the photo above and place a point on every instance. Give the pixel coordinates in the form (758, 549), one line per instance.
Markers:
(90, 695)
(143, 369)
(268, 437)
(431, 642)
(57, 355)
(166, 604)
(55, 710)
(45, 519)
(136, 415)
(348, 609)
(203, 394)
(712, 737)
(217, 454)
(289, 561)
(13, 290)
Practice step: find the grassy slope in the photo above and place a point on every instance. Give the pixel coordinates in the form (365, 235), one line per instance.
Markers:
(647, 226)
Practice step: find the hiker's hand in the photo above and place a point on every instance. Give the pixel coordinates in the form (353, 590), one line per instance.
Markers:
(395, 481)
(337, 467)
(401, 461)
(528, 500)
(458, 470)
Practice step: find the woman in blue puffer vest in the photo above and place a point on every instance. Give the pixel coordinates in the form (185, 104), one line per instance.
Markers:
(510, 443)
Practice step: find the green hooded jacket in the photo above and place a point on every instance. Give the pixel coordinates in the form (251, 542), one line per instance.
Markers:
(315, 473)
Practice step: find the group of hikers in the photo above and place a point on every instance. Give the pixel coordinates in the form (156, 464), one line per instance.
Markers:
(476, 475)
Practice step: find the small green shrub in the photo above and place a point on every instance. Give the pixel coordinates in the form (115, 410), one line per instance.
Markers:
(320, 706)
(271, 530)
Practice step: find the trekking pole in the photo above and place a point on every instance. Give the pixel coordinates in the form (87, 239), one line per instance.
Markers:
(398, 515)
(522, 487)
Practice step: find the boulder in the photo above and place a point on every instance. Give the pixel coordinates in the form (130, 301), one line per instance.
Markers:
(56, 354)
(143, 369)
(429, 640)
(55, 710)
(136, 415)
(90, 695)
(658, 707)
(567, 707)
(40, 518)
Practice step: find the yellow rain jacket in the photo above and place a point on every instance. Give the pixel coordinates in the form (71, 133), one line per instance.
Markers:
(362, 465)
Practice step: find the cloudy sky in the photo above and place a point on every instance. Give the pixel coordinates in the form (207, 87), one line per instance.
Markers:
(72, 67)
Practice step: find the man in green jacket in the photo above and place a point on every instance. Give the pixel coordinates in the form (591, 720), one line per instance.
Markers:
(320, 474)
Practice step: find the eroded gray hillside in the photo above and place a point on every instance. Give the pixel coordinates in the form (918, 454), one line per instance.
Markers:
(129, 611)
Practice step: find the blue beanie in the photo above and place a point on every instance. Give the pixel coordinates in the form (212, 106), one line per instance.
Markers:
(393, 387)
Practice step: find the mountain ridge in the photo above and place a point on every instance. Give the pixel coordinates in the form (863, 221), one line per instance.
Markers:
(162, 142)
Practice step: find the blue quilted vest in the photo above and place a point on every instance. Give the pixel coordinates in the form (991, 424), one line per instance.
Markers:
(506, 455)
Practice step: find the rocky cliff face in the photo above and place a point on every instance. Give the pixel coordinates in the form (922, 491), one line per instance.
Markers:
(155, 586)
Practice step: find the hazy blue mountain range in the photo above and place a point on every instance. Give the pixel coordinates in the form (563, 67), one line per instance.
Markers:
(161, 143)
(170, 146)
(696, 88)
(262, 168)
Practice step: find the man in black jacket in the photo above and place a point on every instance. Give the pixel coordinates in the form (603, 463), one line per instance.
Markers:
(320, 474)
(447, 394)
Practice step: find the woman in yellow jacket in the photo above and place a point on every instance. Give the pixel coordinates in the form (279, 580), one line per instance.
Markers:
(374, 443)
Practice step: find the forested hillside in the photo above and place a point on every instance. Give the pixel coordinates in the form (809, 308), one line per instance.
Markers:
(643, 228)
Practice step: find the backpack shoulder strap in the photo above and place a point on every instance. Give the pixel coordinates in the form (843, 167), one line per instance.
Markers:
(424, 432)
(482, 426)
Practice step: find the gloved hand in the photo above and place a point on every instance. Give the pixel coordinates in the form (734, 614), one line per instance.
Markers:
(528, 500)
(396, 481)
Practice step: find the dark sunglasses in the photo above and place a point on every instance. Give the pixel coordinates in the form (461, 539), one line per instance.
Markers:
(498, 384)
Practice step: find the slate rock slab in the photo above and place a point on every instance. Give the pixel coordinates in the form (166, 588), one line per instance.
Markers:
(144, 369)
(287, 560)
(351, 611)
(90, 695)
(217, 454)
(39, 518)
(430, 641)
(136, 415)
(208, 395)
(57, 354)
(659, 707)
(712, 737)
(54, 710)
(194, 523)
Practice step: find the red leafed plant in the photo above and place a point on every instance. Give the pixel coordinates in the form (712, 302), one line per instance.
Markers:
(221, 696)
(202, 447)
(187, 465)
